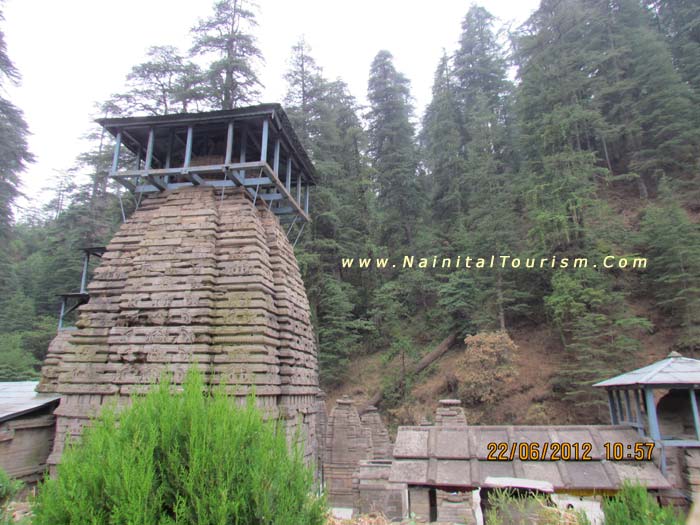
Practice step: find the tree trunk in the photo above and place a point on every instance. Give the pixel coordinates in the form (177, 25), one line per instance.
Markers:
(424, 363)
(643, 193)
(501, 311)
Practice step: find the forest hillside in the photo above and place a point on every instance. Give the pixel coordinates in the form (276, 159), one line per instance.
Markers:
(545, 206)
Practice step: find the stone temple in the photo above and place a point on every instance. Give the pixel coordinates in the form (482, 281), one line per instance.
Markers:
(202, 273)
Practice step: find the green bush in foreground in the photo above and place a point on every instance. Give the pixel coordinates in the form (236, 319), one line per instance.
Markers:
(181, 458)
(634, 506)
(8, 490)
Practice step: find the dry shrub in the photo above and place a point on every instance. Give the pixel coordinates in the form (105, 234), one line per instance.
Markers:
(537, 415)
(486, 365)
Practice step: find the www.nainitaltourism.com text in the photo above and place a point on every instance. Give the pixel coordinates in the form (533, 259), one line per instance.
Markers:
(494, 261)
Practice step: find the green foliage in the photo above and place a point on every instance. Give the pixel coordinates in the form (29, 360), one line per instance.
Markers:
(598, 332)
(180, 458)
(397, 382)
(458, 299)
(633, 505)
(680, 22)
(672, 242)
(338, 329)
(14, 151)
(508, 507)
(392, 153)
(9, 488)
(16, 364)
(166, 83)
(226, 37)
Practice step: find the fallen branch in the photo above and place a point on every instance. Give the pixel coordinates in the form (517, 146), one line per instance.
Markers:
(424, 363)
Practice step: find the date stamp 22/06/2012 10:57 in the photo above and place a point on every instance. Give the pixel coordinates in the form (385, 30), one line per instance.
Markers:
(564, 451)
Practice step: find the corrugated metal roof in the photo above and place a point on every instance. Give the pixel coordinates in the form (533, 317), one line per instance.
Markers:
(458, 456)
(20, 397)
(675, 370)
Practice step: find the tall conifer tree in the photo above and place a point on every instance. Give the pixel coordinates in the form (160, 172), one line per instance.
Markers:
(14, 150)
(227, 37)
(392, 152)
(324, 115)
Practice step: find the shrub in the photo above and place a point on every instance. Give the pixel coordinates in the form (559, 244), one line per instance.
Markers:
(634, 506)
(8, 490)
(181, 458)
(485, 366)
(508, 507)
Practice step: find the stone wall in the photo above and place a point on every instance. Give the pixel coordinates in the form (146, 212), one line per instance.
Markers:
(193, 276)
(692, 473)
(374, 493)
(381, 443)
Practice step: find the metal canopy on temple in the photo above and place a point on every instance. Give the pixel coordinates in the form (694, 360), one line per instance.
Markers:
(252, 147)
(631, 398)
(673, 372)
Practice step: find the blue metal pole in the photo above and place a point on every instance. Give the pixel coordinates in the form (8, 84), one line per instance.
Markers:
(188, 147)
(288, 180)
(263, 144)
(638, 407)
(83, 279)
(611, 406)
(696, 418)
(229, 144)
(654, 425)
(63, 310)
(276, 161)
(117, 147)
(651, 415)
(620, 410)
(149, 149)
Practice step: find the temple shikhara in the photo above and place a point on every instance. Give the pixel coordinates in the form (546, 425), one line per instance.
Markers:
(203, 272)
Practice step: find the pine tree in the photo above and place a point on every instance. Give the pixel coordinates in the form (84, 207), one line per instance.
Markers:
(15, 363)
(305, 87)
(671, 242)
(557, 122)
(469, 155)
(599, 335)
(392, 153)
(324, 115)
(165, 83)
(567, 157)
(679, 20)
(14, 150)
(443, 149)
(480, 63)
(227, 37)
(650, 121)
